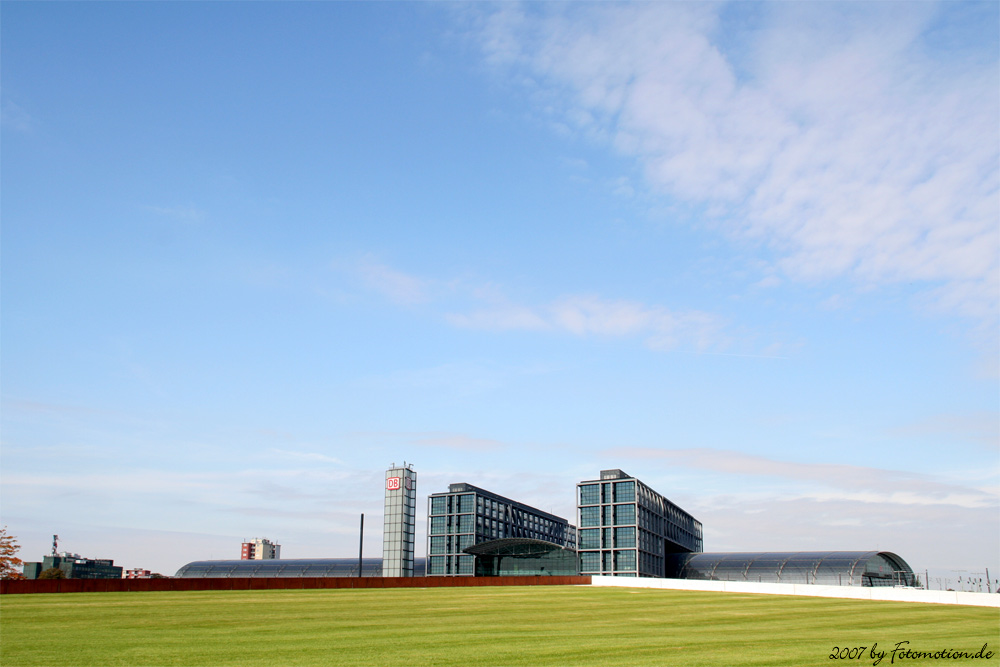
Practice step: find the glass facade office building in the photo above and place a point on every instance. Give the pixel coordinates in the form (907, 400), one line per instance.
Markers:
(399, 527)
(628, 530)
(467, 516)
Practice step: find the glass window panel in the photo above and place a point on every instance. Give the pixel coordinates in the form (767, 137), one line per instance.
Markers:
(625, 536)
(624, 492)
(608, 537)
(467, 503)
(439, 525)
(608, 516)
(590, 539)
(465, 523)
(624, 514)
(590, 494)
(590, 516)
(625, 560)
(439, 505)
(590, 561)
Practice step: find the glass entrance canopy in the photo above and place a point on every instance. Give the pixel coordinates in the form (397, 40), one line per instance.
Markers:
(520, 556)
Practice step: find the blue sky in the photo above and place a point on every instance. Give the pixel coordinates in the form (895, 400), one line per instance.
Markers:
(253, 253)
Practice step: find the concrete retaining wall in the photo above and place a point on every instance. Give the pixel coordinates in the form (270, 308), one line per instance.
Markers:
(811, 590)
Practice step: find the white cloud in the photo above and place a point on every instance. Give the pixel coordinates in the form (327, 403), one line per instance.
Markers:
(460, 442)
(826, 481)
(588, 315)
(401, 288)
(306, 456)
(834, 136)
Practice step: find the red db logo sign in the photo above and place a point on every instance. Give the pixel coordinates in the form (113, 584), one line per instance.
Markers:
(392, 484)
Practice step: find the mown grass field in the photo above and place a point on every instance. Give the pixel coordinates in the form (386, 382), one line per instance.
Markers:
(537, 625)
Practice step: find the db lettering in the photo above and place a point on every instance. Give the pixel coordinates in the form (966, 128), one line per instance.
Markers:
(392, 484)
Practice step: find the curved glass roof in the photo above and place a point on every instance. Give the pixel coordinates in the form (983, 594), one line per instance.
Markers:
(837, 568)
(291, 567)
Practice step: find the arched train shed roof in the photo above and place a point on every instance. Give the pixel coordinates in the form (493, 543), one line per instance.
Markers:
(288, 567)
(836, 568)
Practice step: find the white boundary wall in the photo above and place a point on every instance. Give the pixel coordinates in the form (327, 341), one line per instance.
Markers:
(812, 590)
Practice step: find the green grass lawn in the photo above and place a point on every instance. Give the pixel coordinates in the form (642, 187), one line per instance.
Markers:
(537, 625)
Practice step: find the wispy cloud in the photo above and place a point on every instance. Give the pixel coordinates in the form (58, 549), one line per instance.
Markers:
(315, 457)
(399, 287)
(460, 442)
(830, 133)
(589, 315)
(980, 427)
(827, 481)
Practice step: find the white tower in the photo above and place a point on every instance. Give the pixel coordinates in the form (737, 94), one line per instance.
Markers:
(400, 521)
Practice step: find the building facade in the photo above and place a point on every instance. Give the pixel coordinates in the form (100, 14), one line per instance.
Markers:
(466, 516)
(137, 573)
(75, 566)
(260, 548)
(627, 529)
(399, 528)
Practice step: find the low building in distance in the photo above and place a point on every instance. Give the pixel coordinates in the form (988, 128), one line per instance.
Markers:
(137, 573)
(75, 566)
(260, 548)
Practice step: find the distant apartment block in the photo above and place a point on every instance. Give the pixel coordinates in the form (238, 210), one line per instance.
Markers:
(137, 573)
(260, 548)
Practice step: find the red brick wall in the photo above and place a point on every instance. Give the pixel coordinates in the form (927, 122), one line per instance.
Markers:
(10, 586)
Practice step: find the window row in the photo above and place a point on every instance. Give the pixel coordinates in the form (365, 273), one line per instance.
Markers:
(607, 538)
(607, 492)
(451, 524)
(464, 564)
(607, 515)
(607, 561)
(455, 504)
(450, 544)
